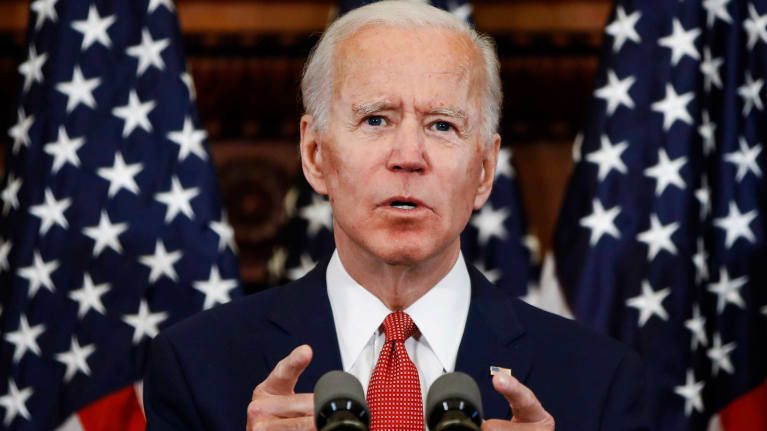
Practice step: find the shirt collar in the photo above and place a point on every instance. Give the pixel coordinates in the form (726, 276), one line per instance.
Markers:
(440, 313)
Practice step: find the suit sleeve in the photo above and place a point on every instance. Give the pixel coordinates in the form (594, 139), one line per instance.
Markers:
(625, 403)
(168, 402)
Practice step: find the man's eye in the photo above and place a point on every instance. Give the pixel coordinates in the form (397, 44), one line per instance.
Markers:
(442, 126)
(375, 121)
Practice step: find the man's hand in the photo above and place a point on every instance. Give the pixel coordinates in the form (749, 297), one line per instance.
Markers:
(528, 411)
(275, 405)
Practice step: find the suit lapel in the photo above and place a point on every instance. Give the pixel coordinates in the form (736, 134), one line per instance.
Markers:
(493, 336)
(305, 316)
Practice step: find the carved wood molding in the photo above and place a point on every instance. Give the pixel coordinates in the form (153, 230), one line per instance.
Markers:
(240, 16)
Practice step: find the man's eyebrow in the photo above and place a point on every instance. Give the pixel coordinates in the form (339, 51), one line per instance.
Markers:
(450, 112)
(365, 109)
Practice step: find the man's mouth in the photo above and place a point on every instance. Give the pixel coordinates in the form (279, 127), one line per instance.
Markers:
(403, 205)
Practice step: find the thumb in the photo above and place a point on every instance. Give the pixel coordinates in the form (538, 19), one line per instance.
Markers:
(282, 380)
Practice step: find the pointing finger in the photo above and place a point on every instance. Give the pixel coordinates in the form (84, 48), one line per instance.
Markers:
(282, 380)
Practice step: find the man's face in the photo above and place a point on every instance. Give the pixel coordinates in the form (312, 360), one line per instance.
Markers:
(402, 160)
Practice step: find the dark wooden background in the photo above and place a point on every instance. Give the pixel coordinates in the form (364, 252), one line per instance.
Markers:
(246, 57)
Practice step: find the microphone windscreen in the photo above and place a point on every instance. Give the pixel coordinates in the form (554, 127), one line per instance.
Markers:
(455, 385)
(336, 385)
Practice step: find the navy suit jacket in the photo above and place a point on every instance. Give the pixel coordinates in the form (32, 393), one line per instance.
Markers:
(202, 371)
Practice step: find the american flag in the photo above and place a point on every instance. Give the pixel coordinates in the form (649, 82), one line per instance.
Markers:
(111, 226)
(661, 241)
(495, 240)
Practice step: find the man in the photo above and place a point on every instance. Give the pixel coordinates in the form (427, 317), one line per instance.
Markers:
(402, 103)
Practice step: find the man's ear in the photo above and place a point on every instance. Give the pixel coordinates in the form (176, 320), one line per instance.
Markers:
(311, 155)
(487, 175)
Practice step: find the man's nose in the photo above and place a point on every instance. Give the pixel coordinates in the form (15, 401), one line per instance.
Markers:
(408, 152)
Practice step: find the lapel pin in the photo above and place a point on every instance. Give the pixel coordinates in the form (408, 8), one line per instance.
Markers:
(499, 370)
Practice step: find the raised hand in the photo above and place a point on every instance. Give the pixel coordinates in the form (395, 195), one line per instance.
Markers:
(275, 405)
(529, 414)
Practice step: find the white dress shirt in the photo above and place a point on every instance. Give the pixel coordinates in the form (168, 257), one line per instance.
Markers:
(440, 315)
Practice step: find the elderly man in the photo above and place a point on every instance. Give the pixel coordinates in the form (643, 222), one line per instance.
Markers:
(402, 103)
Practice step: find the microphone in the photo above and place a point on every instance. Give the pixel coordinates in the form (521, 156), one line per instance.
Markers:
(454, 403)
(339, 403)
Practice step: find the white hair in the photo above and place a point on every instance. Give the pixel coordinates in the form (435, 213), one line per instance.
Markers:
(316, 83)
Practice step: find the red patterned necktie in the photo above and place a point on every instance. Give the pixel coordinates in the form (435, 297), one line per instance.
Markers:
(394, 392)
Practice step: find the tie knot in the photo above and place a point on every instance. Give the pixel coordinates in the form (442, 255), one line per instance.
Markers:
(398, 326)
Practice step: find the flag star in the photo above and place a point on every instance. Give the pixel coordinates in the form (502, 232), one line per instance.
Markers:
(707, 131)
(94, 28)
(717, 9)
(745, 159)
(700, 260)
(134, 114)
(720, 356)
(32, 69)
(763, 310)
(215, 289)
(5, 250)
(703, 194)
(148, 52)
(577, 147)
(10, 194)
(51, 212)
(45, 10)
(601, 222)
(491, 274)
(76, 359)
(756, 26)
(623, 28)
(749, 91)
(105, 234)
(20, 131)
(674, 107)
(186, 78)
(79, 90)
(691, 392)
(697, 326)
(681, 42)
(290, 201)
(190, 140)
(728, 291)
(319, 215)
(608, 157)
(144, 322)
(161, 262)
(39, 274)
(710, 70)
(649, 303)
(616, 92)
(276, 264)
(666, 172)
(225, 233)
(88, 297)
(658, 237)
(177, 200)
(15, 403)
(154, 4)
(460, 11)
(306, 264)
(121, 176)
(64, 150)
(503, 166)
(736, 225)
(24, 339)
(533, 245)
(489, 223)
